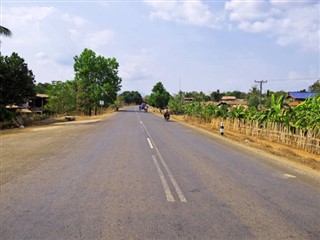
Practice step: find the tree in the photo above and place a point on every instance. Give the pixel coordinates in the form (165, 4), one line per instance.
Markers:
(5, 31)
(197, 96)
(97, 79)
(215, 96)
(159, 97)
(16, 80)
(62, 97)
(43, 88)
(175, 104)
(130, 97)
(315, 87)
(237, 94)
(253, 97)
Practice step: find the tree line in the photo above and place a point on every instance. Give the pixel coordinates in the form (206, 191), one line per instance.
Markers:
(95, 85)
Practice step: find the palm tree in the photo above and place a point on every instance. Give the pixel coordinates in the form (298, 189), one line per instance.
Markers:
(5, 31)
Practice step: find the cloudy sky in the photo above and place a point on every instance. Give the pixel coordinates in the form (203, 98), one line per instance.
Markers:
(188, 45)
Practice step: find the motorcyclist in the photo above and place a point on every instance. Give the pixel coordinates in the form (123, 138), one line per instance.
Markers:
(166, 114)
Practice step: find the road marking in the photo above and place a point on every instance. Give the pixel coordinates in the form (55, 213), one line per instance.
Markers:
(289, 175)
(150, 144)
(173, 181)
(163, 180)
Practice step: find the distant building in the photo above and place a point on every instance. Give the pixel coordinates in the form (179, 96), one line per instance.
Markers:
(188, 100)
(295, 98)
(232, 101)
(228, 98)
(37, 103)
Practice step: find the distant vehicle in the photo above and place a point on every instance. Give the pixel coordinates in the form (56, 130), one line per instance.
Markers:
(144, 107)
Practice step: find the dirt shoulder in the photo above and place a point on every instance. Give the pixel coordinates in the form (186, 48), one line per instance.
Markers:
(56, 121)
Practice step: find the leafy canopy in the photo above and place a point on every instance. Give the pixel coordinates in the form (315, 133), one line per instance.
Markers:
(16, 80)
(159, 97)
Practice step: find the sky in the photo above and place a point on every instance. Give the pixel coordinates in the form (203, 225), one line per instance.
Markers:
(187, 45)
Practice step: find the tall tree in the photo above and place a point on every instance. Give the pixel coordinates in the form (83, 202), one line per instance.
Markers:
(159, 97)
(97, 79)
(16, 80)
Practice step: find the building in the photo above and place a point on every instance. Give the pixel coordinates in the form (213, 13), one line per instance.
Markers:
(232, 101)
(37, 103)
(295, 98)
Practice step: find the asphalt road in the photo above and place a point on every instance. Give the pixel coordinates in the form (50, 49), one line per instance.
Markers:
(136, 176)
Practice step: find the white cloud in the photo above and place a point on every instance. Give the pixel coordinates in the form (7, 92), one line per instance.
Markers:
(76, 20)
(289, 22)
(21, 16)
(248, 10)
(48, 38)
(135, 67)
(97, 39)
(187, 12)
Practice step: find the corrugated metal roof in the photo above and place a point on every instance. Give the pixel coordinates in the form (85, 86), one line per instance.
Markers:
(302, 95)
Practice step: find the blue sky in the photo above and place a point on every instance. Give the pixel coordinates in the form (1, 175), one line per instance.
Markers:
(186, 45)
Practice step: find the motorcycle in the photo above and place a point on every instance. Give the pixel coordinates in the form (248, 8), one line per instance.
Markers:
(166, 116)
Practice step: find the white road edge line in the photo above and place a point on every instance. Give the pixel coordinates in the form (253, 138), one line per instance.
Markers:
(165, 185)
(150, 144)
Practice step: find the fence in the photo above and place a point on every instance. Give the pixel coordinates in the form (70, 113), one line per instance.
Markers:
(309, 142)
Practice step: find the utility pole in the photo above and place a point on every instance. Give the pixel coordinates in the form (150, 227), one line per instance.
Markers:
(260, 82)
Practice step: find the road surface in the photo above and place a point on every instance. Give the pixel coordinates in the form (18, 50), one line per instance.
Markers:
(134, 175)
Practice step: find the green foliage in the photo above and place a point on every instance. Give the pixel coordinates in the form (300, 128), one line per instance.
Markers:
(5, 31)
(215, 96)
(131, 97)
(43, 88)
(306, 116)
(62, 98)
(96, 79)
(253, 97)
(238, 112)
(159, 97)
(197, 96)
(175, 104)
(16, 80)
(237, 94)
(315, 87)
(5, 114)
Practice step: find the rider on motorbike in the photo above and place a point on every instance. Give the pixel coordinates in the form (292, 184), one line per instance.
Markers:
(166, 114)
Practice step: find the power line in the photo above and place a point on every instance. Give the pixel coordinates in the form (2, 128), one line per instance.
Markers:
(293, 79)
